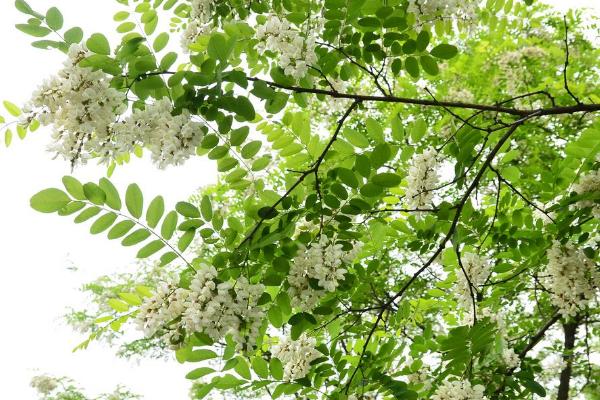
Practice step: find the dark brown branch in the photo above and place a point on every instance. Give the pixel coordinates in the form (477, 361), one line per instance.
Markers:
(445, 240)
(444, 104)
(517, 192)
(580, 107)
(313, 170)
(566, 83)
(570, 330)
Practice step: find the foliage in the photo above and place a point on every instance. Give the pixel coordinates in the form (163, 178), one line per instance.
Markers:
(411, 186)
(63, 388)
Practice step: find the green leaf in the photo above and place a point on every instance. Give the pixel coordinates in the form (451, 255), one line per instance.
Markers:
(155, 211)
(242, 368)
(423, 40)
(260, 366)
(412, 66)
(206, 208)
(49, 200)
(135, 237)
(94, 193)
(7, 137)
(131, 299)
(444, 51)
(218, 48)
(169, 225)
(161, 41)
(98, 43)
(121, 16)
(12, 108)
(386, 179)
(118, 305)
(126, 27)
(87, 214)
(375, 130)
(380, 155)
(73, 35)
(201, 355)
(187, 210)
(150, 248)
(227, 381)
(103, 223)
(120, 229)
(276, 368)
(185, 240)
(54, 18)
(429, 65)
(199, 373)
(534, 387)
(134, 200)
(275, 316)
(74, 187)
(243, 107)
(23, 7)
(167, 258)
(113, 200)
(355, 138)
(251, 149)
(33, 30)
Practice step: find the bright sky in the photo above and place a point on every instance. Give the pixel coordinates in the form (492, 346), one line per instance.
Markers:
(37, 249)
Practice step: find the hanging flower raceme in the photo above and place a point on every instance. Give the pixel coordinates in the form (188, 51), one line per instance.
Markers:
(588, 184)
(422, 179)
(171, 139)
(572, 278)
(296, 356)
(199, 22)
(428, 10)
(81, 106)
(295, 51)
(459, 390)
(477, 269)
(209, 306)
(324, 262)
(510, 358)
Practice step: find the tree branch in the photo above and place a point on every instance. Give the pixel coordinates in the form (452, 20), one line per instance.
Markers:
(570, 330)
(313, 170)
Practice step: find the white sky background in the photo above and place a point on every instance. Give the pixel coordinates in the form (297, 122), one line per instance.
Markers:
(36, 286)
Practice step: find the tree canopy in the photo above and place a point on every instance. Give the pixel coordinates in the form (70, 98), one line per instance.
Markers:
(408, 193)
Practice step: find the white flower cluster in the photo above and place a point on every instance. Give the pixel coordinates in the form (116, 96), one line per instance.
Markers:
(209, 306)
(324, 262)
(477, 268)
(158, 313)
(296, 52)
(510, 358)
(199, 22)
(44, 384)
(421, 377)
(459, 390)
(81, 106)
(515, 70)
(296, 356)
(541, 214)
(572, 278)
(461, 94)
(335, 105)
(589, 183)
(428, 10)
(172, 139)
(422, 178)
